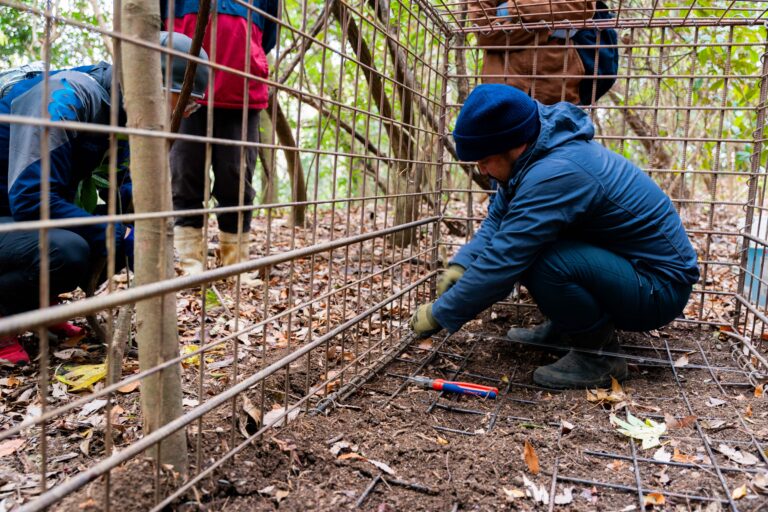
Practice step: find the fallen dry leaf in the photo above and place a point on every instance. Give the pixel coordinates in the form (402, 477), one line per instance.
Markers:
(512, 494)
(615, 386)
(759, 391)
(129, 388)
(739, 492)
(748, 411)
(739, 457)
(565, 497)
(356, 456)
(530, 457)
(760, 483)
(662, 455)
(715, 402)
(10, 446)
(442, 440)
(678, 456)
(653, 498)
(566, 427)
(674, 423)
(616, 465)
(537, 493)
(425, 344)
(681, 361)
(647, 431)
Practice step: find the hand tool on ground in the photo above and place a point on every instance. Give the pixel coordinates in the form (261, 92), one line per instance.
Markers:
(463, 388)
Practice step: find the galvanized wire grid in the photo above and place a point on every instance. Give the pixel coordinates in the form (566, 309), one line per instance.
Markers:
(391, 79)
(357, 93)
(472, 416)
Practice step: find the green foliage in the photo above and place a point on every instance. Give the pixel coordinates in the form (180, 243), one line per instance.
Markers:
(22, 34)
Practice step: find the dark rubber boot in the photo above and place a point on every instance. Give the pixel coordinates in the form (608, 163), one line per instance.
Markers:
(578, 370)
(544, 336)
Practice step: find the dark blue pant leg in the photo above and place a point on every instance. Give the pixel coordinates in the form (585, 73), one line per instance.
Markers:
(69, 264)
(581, 286)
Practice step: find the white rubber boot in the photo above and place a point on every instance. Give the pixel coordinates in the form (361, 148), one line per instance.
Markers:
(188, 242)
(230, 254)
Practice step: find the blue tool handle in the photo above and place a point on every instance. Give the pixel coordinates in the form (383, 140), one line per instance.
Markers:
(456, 388)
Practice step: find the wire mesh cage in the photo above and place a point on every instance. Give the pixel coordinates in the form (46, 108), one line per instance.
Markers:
(327, 194)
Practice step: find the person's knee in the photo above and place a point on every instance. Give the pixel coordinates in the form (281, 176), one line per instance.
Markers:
(553, 265)
(70, 259)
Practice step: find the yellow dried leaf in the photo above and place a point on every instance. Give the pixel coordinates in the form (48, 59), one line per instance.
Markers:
(531, 459)
(616, 465)
(739, 492)
(192, 360)
(83, 376)
(654, 498)
(759, 391)
(442, 440)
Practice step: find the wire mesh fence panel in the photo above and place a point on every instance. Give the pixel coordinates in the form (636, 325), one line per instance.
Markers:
(684, 107)
(240, 220)
(304, 197)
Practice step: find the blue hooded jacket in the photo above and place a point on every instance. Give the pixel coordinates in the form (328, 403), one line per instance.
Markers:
(566, 186)
(79, 94)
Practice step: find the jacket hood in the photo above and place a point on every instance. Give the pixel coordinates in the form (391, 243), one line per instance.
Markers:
(560, 124)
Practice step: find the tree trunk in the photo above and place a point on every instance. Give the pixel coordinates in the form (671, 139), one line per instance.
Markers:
(295, 169)
(156, 318)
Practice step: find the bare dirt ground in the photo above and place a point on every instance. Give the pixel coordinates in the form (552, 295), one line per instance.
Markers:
(419, 450)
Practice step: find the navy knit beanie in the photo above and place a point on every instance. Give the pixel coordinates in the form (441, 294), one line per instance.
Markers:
(494, 119)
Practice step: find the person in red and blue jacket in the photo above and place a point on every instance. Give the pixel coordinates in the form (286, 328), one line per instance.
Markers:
(228, 102)
(595, 241)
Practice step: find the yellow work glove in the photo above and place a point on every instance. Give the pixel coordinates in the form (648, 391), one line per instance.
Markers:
(423, 323)
(452, 274)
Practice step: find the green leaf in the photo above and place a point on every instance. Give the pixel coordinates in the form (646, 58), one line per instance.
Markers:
(211, 300)
(87, 197)
(100, 181)
(647, 431)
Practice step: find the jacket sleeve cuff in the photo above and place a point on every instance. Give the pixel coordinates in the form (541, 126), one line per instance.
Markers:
(441, 314)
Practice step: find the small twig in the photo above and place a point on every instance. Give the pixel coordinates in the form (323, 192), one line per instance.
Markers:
(221, 300)
(334, 439)
(400, 483)
(368, 490)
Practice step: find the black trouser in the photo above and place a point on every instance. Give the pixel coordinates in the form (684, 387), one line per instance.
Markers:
(69, 264)
(188, 167)
(580, 287)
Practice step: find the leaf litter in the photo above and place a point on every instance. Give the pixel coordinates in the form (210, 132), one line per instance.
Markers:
(647, 431)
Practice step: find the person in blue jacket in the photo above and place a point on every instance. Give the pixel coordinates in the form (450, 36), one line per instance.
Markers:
(594, 240)
(81, 94)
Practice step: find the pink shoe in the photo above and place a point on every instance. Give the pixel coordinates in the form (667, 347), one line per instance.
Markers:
(66, 330)
(12, 353)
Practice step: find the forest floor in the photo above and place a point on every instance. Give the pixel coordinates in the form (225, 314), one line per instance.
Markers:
(392, 446)
(420, 450)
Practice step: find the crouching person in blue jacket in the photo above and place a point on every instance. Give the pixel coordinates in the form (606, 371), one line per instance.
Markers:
(594, 240)
(83, 95)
